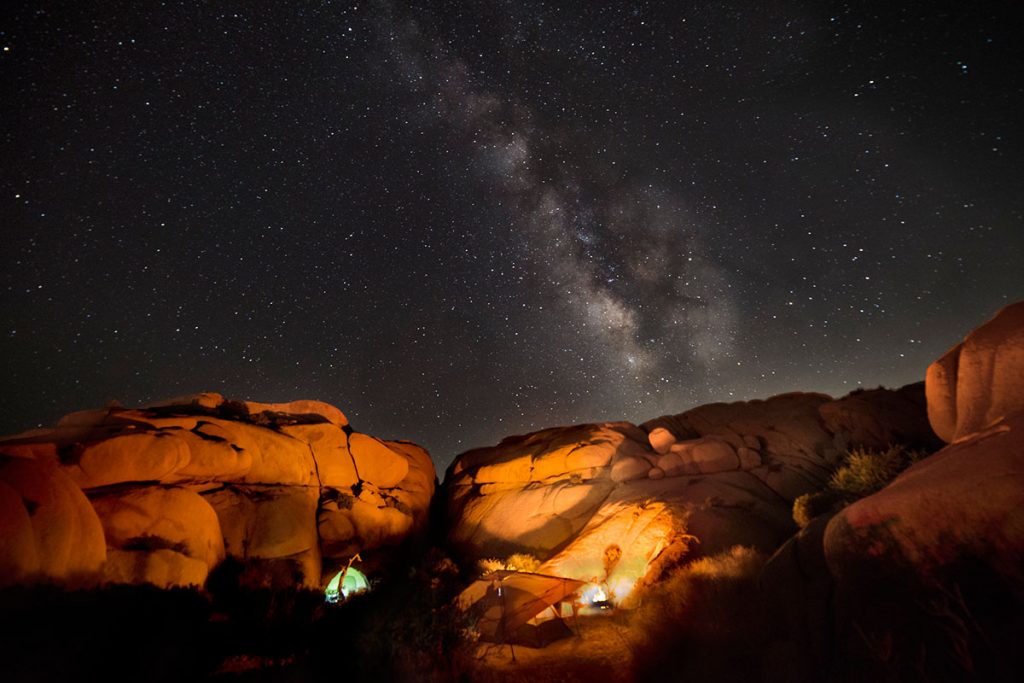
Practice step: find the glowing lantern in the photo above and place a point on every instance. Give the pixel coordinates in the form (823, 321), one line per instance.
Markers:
(596, 596)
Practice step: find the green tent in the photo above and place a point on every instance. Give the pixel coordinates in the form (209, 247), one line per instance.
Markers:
(345, 583)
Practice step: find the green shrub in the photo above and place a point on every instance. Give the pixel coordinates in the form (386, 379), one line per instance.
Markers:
(865, 472)
(810, 505)
(861, 474)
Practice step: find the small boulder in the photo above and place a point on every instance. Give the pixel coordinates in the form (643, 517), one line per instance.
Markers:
(661, 439)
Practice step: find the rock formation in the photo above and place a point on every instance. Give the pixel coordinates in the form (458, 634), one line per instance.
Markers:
(163, 494)
(726, 474)
(926, 573)
(967, 500)
(981, 379)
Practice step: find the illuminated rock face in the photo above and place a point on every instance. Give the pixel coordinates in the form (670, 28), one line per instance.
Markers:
(980, 380)
(163, 494)
(725, 473)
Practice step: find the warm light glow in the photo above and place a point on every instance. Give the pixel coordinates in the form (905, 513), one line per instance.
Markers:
(596, 595)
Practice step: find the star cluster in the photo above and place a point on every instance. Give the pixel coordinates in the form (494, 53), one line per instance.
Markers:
(459, 221)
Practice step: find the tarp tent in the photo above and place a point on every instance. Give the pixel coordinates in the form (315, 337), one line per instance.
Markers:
(507, 604)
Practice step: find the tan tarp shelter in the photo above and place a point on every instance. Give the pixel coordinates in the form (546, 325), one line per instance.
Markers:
(506, 602)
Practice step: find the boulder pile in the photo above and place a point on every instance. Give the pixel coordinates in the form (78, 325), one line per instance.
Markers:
(164, 493)
(612, 502)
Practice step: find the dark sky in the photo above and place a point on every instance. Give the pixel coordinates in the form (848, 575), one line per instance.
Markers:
(459, 221)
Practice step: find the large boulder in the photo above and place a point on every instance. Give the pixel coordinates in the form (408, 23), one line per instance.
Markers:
(49, 529)
(726, 474)
(981, 379)
(181, 484)
(923, 579)
(967, 500)
(160, 518)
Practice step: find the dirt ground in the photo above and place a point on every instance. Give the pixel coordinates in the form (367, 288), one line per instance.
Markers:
(599, 652)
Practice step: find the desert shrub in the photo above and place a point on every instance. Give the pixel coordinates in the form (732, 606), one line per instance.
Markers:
(862, 473)
(520, 562)
(490, 564)
(810, 505)
(702, 621)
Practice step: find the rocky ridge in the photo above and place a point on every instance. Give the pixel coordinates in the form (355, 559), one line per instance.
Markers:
(720, 474)
(164, 493)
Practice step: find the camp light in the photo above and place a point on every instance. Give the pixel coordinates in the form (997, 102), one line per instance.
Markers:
(597, 596)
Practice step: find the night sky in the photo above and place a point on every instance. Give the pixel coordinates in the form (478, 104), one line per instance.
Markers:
(460, 221)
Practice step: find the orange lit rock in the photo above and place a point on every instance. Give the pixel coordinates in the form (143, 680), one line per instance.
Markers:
(154, 518)
(661, 439)
(65, 531)
(627, 468)
(709, 454)
(616, 546)
(18, 556)
(324, 410)
(377, 522)
(335, 526)
(416, 490)
(376, 462)
(200, 477)
(329, 447)
(980, 380)
(163, 568)
(534, 520)
(726, 473)
(277, 458)
(146, 457)
(266, 521)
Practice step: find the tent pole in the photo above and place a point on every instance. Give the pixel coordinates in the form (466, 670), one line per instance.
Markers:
(503, 626)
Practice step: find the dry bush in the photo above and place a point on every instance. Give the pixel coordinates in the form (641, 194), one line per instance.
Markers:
(702, 621)
(520, 562)
(810, 505)
(862, 473)
(865, 472)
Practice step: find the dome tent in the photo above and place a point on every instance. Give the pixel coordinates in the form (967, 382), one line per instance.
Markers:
(345, 583)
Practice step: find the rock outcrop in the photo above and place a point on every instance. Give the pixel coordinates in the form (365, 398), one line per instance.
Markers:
(981, 379)
(967, 500)
(164, 493)
(607, 502)
(923, 579)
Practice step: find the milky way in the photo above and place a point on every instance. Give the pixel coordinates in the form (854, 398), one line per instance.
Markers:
(460, 221)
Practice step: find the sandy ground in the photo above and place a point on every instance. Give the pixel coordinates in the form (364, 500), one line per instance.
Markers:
(600, 652)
